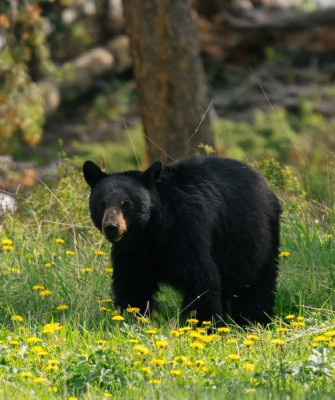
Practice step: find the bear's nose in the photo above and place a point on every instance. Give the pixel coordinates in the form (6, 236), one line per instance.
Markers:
(111, 230)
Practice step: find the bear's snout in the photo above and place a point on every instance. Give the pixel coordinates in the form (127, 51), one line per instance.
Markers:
(113, 225)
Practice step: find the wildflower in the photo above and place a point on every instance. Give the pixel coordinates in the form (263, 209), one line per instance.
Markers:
(52, 368)
(107, 394)
(103, 309)
(223, 329)
(7, 248)
(233, 357)
(332, 345)
(206, 323)
(60, 240)
(14, 343)
(154, 381)
(199, 363)
(70, 252)
(17, 318)
(285, 254)
(86, 270)
(53, 362)
(144, 320)
(101, 342)
(290, 316)
(109, 270)
(26, 375)
(321, 338)
(248, 342)
(133, 310)
(38, 287)
(330, 333)
(297, 324)
(48, 265)
(37, 349)
(62, 307)
(99, 252)
(192, 321)
(252, 337)
(52, 328)
(277, 342)
(6, 242)
(106, 300)
(177, 359)
(146, 370)
(175, 372)
(249, 367)
(39, 380)
(16, 271)
(195, 335)
(151, 331)
(175, 333)
(231, 341)
(133, 340)
(34, 339)
(118, 318)
(53, 389)
(281, 330)
(197, 345)
(162, 344)
(140, 349)
(45, 293)
(300, 318)
(157, 362)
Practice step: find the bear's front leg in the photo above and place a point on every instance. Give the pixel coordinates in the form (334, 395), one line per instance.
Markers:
(132, 290)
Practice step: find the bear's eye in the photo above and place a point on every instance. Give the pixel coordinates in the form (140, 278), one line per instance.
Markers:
(124, 204)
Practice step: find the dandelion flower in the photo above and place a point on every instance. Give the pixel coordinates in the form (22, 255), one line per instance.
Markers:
(99, 252)
(252, 337)
(34, 339)
(6, 242)
(106, 300)
(86, 270)
(330, 333)
(199, 363)
(151, 331)
(62, 307)
(53, 362)
(277, 342)
(284, 254)
(109, 270)
(45, 293)
(197, 345)
(162, 344)
(26, 375)
(7, 248)
(249, 367)
(223, 329)
(118, 318)
(157, 362)
(290, 316)
(248, 342)
(59, 240)
(16, 271)
(17, 318)
(70, 252)
(281, 330)
(140, 349)
(233, 357)
(206, 323)
(48, 265)
(101, 342)
(146, 370)
(322, 338)
(38, 287)
(39, 380)
(297, 324)
(154, 381)
(52, 327)
(175, 372)
(192, 321)
(133, 310)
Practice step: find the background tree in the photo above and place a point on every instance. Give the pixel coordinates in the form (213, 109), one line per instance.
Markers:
(170, 80)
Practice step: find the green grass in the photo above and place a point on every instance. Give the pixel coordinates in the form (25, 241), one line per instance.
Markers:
(88, 355)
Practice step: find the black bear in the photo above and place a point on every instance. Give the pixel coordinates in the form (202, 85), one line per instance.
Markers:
(208, 226)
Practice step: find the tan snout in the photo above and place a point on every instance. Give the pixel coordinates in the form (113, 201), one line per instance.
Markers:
(113, 224)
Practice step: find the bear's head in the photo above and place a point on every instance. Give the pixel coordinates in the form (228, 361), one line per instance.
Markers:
(121, 203)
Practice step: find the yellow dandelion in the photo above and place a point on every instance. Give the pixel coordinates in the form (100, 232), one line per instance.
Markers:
(53, 389)
(233, 357)
(86, 270)
(6, 242)
(175, 372)
(157, 362)
(48, 265)
(45, 293)
(34, 339)
(103, 309)
(184, 329)
(118, 318)
(178, 359)
(297, 324)
(197, 345)
(300, 318)
(133, 341)
(39, 380)
(107, 394)
(16, 271)
(282, 330)
(146, 370)
(330, 333)
(17, 318)
(252, 337)
(38, 287)
(143, 320)
(109, 270)
(332, 344)
(59, 240)
(175, 333)
(70, 252)
(37, 349)
(322, 338)
(192, 321)
(199, 363)
(133, 310)
(151, 331)
(99, 252)
(206, 323)
(249, 367)
(223, 329)
(7, 248)
(53, 362)
(248, 342)
(154, 381)
(101, 342)
(195, 335)
(140, 349)
(162, 344)
(26, 375)
(284, 254)
(106, 300)
(232, 341)
(62, 307)
(277, 342)
(14, 343)
(290, 316)
(52, 327)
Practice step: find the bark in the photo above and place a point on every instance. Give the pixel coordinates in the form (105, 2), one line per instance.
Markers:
(169, 75)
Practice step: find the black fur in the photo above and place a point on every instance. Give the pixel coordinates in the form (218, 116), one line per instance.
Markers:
(207, 226)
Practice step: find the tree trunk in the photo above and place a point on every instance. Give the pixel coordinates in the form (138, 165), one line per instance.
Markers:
(169, 75)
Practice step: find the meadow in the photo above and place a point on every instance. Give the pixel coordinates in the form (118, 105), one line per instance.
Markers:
(61, 337)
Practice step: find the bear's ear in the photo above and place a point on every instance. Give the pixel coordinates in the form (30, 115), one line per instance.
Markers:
(92, 173)
(152, 174)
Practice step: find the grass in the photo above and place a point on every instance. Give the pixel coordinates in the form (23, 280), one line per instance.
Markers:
(61, 338)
